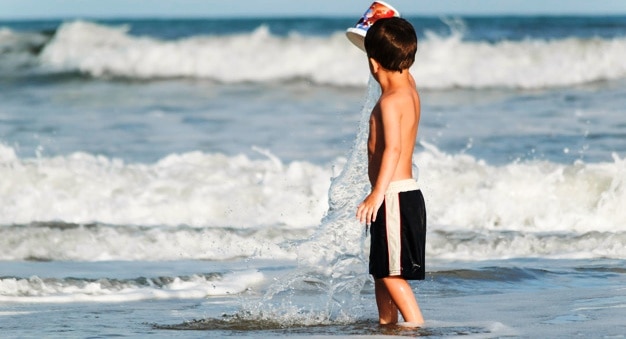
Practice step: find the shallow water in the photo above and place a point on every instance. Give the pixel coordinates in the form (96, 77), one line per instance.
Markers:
(519, 298)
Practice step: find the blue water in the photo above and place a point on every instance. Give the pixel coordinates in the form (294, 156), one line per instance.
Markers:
(161, 177)
(479, 28)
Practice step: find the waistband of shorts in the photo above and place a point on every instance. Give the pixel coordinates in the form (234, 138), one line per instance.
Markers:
(402, 186)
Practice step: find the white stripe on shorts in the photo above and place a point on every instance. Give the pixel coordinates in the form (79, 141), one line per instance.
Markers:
(392, 214)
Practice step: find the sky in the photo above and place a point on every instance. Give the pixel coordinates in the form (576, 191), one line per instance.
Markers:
(20, 9)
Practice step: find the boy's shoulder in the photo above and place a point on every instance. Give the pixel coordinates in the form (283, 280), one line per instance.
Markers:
(400, 96)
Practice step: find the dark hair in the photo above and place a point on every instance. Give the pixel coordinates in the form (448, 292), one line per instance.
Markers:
(392, 42)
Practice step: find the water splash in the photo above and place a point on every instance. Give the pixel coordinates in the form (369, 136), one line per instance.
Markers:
(326, 285)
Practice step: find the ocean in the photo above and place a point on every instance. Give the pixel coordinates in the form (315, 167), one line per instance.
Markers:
(200, 177)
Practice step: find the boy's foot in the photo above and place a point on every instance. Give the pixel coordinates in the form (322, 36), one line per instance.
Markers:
(410, 324)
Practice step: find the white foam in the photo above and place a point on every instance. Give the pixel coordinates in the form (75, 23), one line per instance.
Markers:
(194, 189)
(259, 56)
(475, 210)
(12, 313)
(533, 196)
(445, 62)
(102, 243)
(215, 190)
(38, 290)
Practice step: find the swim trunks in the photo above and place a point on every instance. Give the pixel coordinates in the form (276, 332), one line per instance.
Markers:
(398, 236)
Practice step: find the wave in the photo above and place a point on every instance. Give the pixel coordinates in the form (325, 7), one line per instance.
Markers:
(197, 189)
(463, 245)
(96, 242)
(193, 189)
(257, 208)
(442, 62)
(66, 290)
(20, 50)
(530, 196)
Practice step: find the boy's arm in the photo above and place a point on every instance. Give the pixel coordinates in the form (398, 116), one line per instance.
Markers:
(390, 115)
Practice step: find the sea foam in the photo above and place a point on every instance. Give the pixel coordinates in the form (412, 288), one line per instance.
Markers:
(193, 189)
(256, 208)
(67, 290)
(199, 189)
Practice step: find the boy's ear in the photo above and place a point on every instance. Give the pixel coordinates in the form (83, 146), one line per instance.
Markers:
(374, 65)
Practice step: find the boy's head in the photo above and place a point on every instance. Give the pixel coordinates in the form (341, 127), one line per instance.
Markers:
(392, 42)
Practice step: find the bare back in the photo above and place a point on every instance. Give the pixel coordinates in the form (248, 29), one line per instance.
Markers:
(401, 107)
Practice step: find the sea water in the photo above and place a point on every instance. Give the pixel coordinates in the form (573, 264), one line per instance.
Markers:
(199, 178)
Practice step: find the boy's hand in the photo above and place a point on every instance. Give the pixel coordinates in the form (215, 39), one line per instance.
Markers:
(366, 213)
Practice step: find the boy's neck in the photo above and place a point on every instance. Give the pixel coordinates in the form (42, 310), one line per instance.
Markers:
(389, 80)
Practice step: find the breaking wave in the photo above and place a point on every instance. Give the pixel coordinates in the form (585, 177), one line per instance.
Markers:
(443, 62)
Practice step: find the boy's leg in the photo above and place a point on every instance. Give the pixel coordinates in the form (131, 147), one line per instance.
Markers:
(400, 292)
(387, 310)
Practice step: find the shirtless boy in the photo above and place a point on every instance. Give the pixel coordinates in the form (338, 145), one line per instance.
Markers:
(395, 206)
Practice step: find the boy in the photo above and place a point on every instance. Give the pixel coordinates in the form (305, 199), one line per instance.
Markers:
(395, 207)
